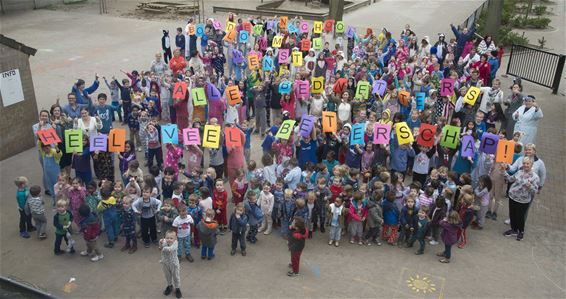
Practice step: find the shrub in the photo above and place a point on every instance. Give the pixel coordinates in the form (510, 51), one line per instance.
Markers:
(539, 10)
(538, 23)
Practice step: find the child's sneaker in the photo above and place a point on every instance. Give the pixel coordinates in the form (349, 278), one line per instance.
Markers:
(433, 242)
(190, 258)
(510, 233)
(178, 293)
(109, 245)
(42, 236)
(133, 249)
(336, 244)
(418, 252)
(292, 274)
(330, 242)
(444, 260)
(519, 236)
(24, 235)
(84, 253)
(488, 215)
(243, 253)
(59, 252)
(146, 245)
(97, 258)
(168, 290)
(494, 216)
(233, 252)
(507, 221)
(70, 250)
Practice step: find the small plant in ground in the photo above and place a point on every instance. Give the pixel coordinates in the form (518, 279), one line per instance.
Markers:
(541, 42)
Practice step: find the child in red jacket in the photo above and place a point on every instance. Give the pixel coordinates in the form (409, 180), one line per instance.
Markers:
(297, 238)
(90, 229)
(358, 214)
(220, 203)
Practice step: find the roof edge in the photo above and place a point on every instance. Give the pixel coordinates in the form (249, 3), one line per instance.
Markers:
(12, 43)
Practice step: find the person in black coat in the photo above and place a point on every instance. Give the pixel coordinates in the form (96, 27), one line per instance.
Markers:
(166, 46)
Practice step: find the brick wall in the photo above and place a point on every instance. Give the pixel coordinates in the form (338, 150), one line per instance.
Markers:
(16, 120)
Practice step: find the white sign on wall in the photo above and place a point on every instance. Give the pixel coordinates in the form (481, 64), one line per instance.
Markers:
(11, 87)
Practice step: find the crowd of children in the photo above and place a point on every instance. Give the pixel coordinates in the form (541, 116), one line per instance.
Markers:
(307, 183)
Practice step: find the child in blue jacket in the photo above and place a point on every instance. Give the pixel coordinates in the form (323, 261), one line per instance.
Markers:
(238, 223)
(390, 218)
(255, 216)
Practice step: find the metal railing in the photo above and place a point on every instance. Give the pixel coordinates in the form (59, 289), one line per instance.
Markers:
(537, 66)
(476, 14)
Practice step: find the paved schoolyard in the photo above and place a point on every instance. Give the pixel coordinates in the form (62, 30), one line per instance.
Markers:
(73, 45)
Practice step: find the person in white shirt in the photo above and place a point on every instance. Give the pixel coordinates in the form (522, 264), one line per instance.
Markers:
(182, 224)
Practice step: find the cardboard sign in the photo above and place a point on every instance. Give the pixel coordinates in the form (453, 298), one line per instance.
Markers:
(216, 25)
(362, 90)
(211, 138)
(404, 134)
(212, 93)
(180, 90)
(450, 136)
(306, 125)
(283, 56)
(328, 25)
(48, 136)
(420, 99)
(258, 30)
(191, 136)
(350, 31)
(230, 26)
(253, 61)
(244, 36)
(191, 29)
(329, 122)
(170, 134)
(317, 27)
(271, 25)
(357, 134)
(302, 88)
(286, 129)
(446, 87)
(381, 133)
(505, 151)
(340, 85)
(283, 20)
(317, 43)
(98, 142)
(200, 30)
(404, 97)
(233, 95)
(285, 87)
(427, 133)
(467, 147)
(488, 143)
(297, 58)
(305, 45)
(379, 87)
(292, 29)
(231, 36)
(117, 140)
(304, 27)
(267, 64)
(199, 97)
(277, 41)
(233, 137)
(247, 26)
(340, 27)
(237, 56)
(317, 84)
(73, 141)
(472, 95)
